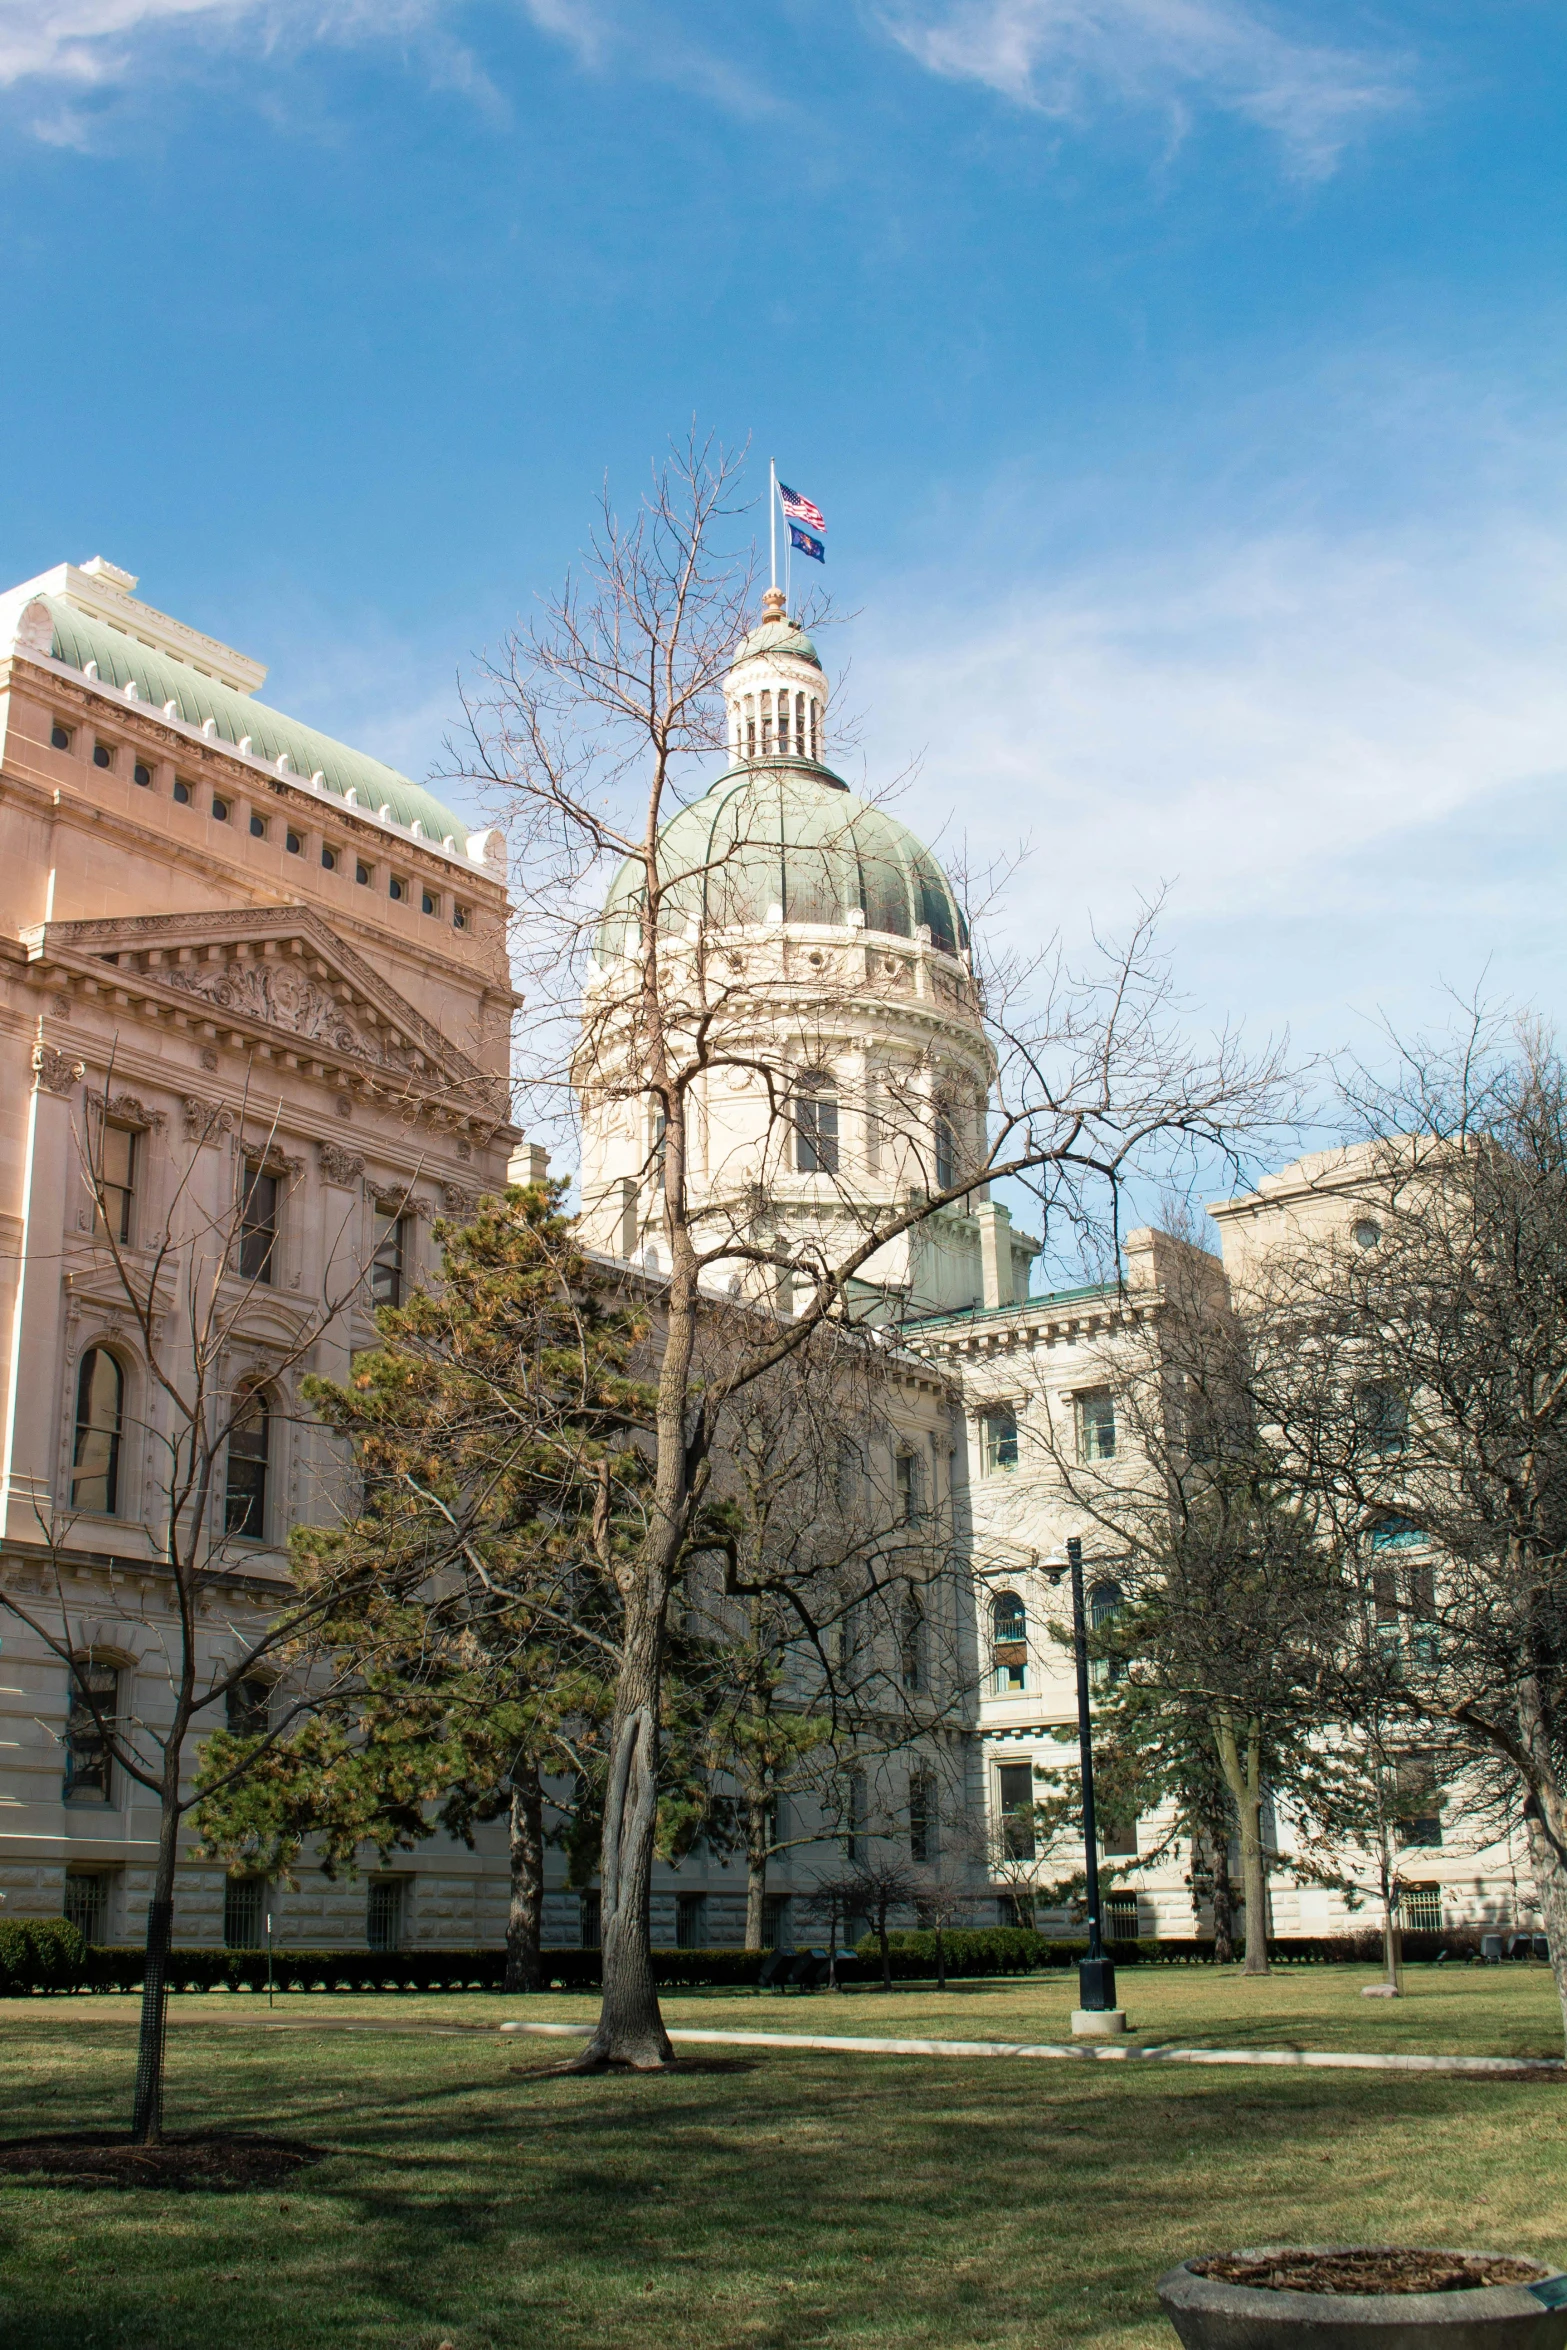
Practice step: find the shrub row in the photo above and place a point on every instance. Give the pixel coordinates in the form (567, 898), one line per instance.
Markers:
(49, 1954)
(41, 1954)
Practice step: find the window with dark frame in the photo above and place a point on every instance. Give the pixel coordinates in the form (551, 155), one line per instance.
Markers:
(775, 1921)
(590, 1911)
(141, 773)
(946, 1153)
(245, 1488)
(690, 1921)
(257, 1223)
(384, 1913)
(244, 1912)
(60, 737)
(911, 1641)
(908, 1473)
(87, 1903)
(181, 792)
(1096, 1425)
(387, 1264)
(258, 827)
(100, 1415)
(1015, 1803)
(1000, 1425)
(1381, 1417)
(102, 755)
(247, 1708)
(89, 1765)
(816, 1134)
(116, 1170)
(1009, 1644)
(922, 1816)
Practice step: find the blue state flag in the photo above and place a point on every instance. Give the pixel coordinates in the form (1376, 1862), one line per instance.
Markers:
(806, 544)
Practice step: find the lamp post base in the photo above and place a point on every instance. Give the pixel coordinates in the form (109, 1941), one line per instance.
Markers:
(1098, 2023)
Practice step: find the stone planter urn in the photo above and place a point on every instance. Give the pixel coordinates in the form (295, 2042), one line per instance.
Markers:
(1365, 2297)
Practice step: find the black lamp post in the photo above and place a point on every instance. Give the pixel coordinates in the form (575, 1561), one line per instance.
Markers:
(1096, 1973)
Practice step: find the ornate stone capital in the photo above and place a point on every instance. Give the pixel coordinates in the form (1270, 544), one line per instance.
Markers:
(458, 1202)
(55, 1071)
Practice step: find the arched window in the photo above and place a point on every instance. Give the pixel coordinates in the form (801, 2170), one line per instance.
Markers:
(816, 1133)
(767, 721)
(245, 1497)
(1382, 1418)
(95, 1457)
(1009, 1643)
(911, 1641)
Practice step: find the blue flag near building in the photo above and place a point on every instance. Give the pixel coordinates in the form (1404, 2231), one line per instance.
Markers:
(806, 544)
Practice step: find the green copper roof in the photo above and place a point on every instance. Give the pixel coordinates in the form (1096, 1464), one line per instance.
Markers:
(121, 661)
(779, 636)
(789, 833)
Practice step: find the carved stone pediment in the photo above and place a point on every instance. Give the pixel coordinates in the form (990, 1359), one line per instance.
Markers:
(277, 970)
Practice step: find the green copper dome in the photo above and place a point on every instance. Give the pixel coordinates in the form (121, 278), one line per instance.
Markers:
(789, 840)
(779, 636)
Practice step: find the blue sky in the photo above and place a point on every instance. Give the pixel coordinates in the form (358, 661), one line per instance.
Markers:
(1181, 379)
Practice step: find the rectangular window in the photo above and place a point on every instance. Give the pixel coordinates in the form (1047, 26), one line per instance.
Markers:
(1120, 1918)
(257, 1224)
(1015, 1803)
(690, 1921)
(87, 1903)
(816, 1134)
(1118, 1835)
(1420, 1908)
(1096, 1425)
(910, 1488)
(248, 1708)
(1418, 1800)
(922, 1816)
(386, 1266)
(89, 1766)
(590, 1915)
(244, 1912)
(384, 1913)
(459, 917)
(116, 1173)
(775, 1921)
(1000, 1439)
(245, 1490)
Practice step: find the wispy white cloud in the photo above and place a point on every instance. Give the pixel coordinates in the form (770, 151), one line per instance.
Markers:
(1064, 57)
(1347, 755)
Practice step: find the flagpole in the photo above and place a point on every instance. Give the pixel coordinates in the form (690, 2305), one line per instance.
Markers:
(772, 518)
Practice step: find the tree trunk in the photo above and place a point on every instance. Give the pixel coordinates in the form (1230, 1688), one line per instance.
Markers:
(1550, 1884)
(755, 1869)
(630, 2028)
(525, 1918)
(147, 2111)
(1244, 1781)
(1223, 1906)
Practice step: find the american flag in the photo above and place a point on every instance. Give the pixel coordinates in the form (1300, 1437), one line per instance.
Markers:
(800, 509)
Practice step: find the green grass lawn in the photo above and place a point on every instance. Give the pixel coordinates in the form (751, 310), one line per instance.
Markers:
(472, 2194)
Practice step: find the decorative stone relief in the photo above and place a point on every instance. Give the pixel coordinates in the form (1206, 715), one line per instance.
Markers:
(458, 1202)
(338, 1165)
(289, 999)
(130, 1111)
(55, 1071)
(206, 1121)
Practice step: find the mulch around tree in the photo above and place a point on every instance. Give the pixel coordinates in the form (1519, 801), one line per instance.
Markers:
(1376, 2268)
(189, 2158)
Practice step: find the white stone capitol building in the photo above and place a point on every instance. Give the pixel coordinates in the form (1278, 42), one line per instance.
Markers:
(267, 965)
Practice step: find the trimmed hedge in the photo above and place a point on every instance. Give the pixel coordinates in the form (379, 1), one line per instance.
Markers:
(41, 1954)
(49, 1954)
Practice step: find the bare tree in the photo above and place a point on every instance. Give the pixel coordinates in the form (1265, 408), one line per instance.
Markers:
(205, 1617)
(589, 728)
(1416, 1391)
